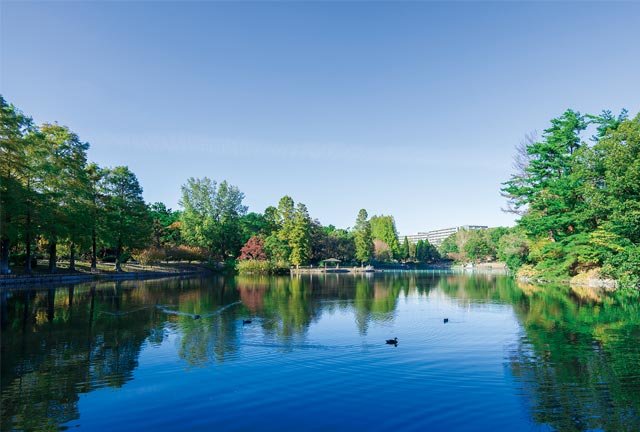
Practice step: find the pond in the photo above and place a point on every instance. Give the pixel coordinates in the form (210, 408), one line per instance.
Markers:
(179, 354)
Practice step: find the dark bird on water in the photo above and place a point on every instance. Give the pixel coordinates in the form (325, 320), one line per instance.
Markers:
(446, 320)
(196, 317)
(246, 321)
(393, 341)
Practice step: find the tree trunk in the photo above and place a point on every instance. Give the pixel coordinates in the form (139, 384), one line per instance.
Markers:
(72, 257)
(27, 264)
(118, 253)
(4, 255)
(52, 257)
(94, 251)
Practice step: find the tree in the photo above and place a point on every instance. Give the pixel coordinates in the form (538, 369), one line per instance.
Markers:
(199, 214)
(548, 187)
(362, 237)
(211, 216)
(128, 224)
(286, 212)
(381, 250)
(477, 246)
(13, 126)
(404, 250)
(253, 249)
(95, 208)
(300, 236)
(384, 228)
(164, 224)
(65, 187)
(229, 208)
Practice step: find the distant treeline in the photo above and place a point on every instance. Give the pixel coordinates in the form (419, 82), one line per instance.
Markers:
(56, 205)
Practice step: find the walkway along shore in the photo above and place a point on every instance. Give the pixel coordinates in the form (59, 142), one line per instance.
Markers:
(8, 281)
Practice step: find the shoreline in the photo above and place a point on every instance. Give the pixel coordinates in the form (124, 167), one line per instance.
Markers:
(22, 280)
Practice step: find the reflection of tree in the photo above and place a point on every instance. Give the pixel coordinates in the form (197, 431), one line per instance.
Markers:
(375, 299)
(290, 306)
(579, 363)
(215, 334)
(56, 344)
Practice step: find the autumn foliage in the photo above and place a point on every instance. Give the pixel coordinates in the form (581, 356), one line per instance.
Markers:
(253, 250)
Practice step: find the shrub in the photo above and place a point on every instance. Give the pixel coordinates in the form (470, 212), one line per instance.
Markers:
(151, 256)
(251, 266)
(187, 253)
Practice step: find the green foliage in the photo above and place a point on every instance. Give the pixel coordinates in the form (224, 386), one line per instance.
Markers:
(426, 252)
(384, 228)
(300, 236)
(363, 238)
(128, 223)
(166, 225)
(253, 266)
(513, 249)
(580, 203)
(404, 250)
(211, 216)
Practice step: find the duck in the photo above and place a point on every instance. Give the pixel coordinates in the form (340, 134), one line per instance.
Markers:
(196, 316)
(446, 320)
(246, 321)
(393, 341)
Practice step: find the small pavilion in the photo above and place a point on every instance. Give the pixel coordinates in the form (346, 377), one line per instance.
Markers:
(331, 261)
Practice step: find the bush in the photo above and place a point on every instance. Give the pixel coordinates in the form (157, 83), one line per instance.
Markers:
(187, 253)
(151, 256)
(255, 267)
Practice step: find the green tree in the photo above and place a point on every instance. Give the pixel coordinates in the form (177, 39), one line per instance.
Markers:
(404, 250)
(384, 228)
(128, 224)
(13, 168)
(199, 214)
(300, 236)
(211, 216)
(548, 187)
(362, 237)
(95, 209)
(64, 188)
(163, 223)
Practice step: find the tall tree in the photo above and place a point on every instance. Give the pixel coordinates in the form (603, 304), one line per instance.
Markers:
(95, 208)
(404, 250)
(229, 209)
(384, 228)
(199, 214)
(163, 223)
(548, 187)
(13, 168)
(64, 187)
(128, 222)
(362, 237)
(211, 216)
(300, 236)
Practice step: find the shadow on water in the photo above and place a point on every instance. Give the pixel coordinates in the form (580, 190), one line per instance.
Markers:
(576, 362)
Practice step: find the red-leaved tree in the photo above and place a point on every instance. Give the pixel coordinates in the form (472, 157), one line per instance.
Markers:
(253, 249)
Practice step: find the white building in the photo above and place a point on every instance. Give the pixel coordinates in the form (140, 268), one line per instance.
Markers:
(436, 237)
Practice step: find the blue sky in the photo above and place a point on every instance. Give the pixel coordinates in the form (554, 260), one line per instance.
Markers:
(410, 109)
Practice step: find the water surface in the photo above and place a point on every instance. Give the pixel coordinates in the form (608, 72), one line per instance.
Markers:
(174, 354)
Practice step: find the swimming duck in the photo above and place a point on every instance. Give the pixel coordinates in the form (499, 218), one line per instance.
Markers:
(246, 321)
(446, 320)
(393, 341)
(196, 316)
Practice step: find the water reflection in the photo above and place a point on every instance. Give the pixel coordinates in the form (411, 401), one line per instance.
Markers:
(576, 361)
